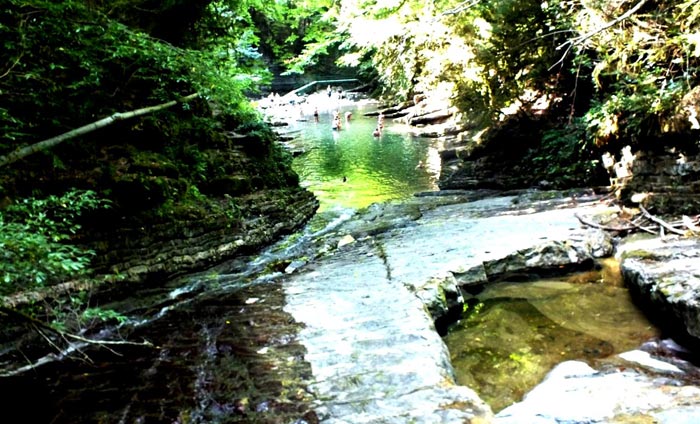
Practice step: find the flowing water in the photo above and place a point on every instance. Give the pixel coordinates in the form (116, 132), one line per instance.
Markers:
(223, 348)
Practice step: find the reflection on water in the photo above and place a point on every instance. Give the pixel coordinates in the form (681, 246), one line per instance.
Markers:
(514, 333)
(351, 168)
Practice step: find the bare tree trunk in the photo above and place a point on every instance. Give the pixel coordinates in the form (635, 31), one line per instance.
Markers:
(23, 152)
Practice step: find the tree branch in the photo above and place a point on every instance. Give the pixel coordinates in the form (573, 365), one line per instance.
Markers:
(119, 116)
(42, 329)
(583, 37)
(460, 7)
(661, 222)
(603, 227)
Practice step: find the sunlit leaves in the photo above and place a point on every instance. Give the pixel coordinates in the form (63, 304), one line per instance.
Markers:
(641, 66)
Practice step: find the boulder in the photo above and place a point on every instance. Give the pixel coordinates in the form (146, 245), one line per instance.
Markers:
(580, 249)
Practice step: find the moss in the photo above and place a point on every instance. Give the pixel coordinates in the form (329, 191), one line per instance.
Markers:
(233, 185)
(639, 254)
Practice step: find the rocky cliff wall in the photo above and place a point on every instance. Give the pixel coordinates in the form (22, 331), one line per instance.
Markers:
(671, 180)
(186, 245)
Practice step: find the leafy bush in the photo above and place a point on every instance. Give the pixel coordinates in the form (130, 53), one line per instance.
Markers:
(566, 156)
(35, 235)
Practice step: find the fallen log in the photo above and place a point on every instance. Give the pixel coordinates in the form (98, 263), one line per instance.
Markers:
(641, 222)
(604, 227)
(25, 151)
(431, 117)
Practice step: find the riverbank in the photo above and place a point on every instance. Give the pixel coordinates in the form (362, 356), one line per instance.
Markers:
(545, 234)
(341, 324)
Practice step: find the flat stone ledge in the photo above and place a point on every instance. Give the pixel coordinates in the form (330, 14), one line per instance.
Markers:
(664, 274)
(373, 349)
(368, 312)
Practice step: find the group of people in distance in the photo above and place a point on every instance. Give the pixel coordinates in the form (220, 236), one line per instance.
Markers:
(337, 123)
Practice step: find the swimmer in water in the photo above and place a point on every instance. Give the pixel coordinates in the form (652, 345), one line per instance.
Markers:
(336, 123)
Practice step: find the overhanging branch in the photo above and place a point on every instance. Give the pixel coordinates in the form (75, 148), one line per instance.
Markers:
(74, 342)
(461, 7)
(23, 152)
(569, 44)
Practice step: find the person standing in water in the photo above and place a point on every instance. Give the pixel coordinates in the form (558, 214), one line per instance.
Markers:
(336, 120)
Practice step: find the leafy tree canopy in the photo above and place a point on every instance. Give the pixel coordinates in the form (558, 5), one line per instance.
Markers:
(69, 63)
(626, 65)
(65, 62)
(604, 72)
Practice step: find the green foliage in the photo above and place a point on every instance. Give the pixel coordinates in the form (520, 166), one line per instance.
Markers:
(102, 315)
(511, 51)
(68, 63)
(566, 156)
(641, 69)
(72, 62)
(491, 55)
(296, 34)
(35, 235)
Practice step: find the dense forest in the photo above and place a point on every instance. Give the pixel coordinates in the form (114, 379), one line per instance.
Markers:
(153, 101)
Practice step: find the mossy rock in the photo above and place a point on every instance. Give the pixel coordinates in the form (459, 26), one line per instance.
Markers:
(234, 185)
(152, 164)
(139, 192)
(640, 254)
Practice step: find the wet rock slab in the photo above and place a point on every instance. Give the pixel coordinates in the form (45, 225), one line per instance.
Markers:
(374, 353)
(225, 357)
(574, 392)
(371, 342)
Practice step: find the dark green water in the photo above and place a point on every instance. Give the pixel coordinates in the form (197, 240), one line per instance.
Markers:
(351, 168)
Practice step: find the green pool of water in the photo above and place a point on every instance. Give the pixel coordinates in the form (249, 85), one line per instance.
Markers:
(513, 334)
(351, 168)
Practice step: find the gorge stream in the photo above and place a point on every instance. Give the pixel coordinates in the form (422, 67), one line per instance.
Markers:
(513, 333)
(224, 341)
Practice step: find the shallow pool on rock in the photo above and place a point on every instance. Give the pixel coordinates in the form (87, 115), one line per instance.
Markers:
(513, 333)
